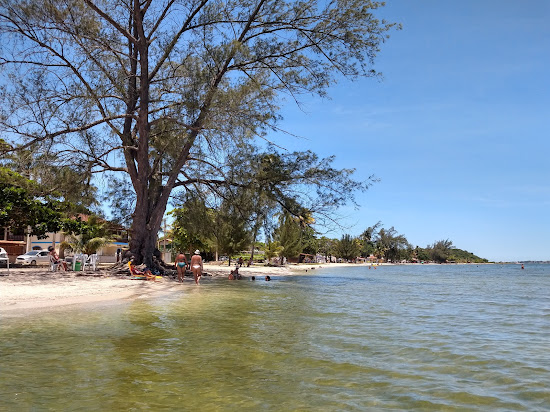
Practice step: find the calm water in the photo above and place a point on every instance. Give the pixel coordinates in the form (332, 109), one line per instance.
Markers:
(394, 338)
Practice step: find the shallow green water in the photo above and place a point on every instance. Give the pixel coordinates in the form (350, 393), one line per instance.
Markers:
(394, 338)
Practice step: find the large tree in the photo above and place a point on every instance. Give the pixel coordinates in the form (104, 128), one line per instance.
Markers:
(157, 88)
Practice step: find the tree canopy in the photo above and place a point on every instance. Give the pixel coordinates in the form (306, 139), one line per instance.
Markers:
(159, 90)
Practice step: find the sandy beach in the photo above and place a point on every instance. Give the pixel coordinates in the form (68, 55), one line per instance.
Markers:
(36, 288)
(27, 289)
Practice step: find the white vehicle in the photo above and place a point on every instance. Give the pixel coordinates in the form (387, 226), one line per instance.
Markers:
(3, 256)
(33, 258)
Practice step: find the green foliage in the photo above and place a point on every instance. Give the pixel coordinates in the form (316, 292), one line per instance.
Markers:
(368, 241)
(192, 226)
(289, 236)
(87, 237)
(463, 256)
(230, 232)
(392, 246)
(421, 254)
(327, 247)
(197, 226)
(51, 178)
(348, 247)
(11, 178)
(440, 250)
(310, 244)
(273, 249)
(24, 204)
(385, 243)
(19, 209)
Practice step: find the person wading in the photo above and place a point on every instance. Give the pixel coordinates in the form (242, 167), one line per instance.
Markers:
(181, 265)
(196, 266)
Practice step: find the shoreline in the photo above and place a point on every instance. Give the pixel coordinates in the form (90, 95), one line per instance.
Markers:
(28, 289)
(25, 290)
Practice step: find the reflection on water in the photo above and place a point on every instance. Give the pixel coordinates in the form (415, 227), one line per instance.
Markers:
(408, 337)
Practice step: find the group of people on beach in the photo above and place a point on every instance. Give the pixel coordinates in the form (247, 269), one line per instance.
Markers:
(195, 265)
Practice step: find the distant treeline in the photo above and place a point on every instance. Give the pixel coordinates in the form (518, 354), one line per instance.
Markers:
(381, 243)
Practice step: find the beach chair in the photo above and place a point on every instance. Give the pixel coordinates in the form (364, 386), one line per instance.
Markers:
(78, 261)
(91, 262)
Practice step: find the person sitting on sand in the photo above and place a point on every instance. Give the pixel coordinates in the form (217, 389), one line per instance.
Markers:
(181, 266)
(140, 272)
(55, 259)
(196, 266)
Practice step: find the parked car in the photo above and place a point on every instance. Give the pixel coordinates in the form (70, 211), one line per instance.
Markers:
(33, 258)
(3, 256)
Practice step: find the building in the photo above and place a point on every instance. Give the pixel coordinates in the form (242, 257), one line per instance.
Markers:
(14, 245)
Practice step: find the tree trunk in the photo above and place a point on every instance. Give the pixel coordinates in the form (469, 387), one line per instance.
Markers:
(253, 244)
(148, 214)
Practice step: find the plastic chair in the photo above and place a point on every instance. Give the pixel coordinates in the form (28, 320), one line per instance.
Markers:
(55, 266)
(81, 258)
(91, 261)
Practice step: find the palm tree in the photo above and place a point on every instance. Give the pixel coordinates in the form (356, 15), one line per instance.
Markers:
(94, 235)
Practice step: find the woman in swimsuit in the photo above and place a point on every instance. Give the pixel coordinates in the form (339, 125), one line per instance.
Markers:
(181, 265)
(196, 266)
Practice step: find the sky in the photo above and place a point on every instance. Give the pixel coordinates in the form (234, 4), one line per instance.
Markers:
(457, 130)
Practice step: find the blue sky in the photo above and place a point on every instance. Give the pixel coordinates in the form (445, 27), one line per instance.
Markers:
(457, 131)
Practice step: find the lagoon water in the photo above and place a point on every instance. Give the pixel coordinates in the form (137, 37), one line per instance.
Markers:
(461, 337)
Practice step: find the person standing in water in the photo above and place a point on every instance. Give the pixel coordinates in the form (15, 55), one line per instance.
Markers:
(181, 265)
(196, 266)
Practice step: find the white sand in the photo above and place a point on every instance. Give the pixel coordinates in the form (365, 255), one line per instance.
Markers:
(35, 288)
